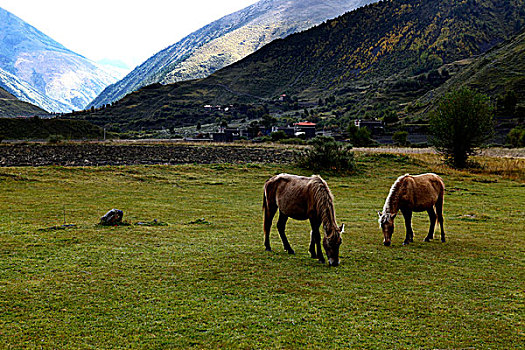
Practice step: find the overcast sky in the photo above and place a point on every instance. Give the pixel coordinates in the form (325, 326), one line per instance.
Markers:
(130, 31)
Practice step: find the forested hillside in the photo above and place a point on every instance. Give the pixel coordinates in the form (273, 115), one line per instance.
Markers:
(498, 72)
(10, 106)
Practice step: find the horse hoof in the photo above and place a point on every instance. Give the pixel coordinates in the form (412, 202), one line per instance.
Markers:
(268, 249)
(322, 261)
(443, 240)
(406, 242)
(290, 251)
(427, 239)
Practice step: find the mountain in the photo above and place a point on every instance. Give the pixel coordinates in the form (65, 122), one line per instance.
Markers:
(226, 41)
(10, 106)
(498, 71)
(39, 70)
(388, 53)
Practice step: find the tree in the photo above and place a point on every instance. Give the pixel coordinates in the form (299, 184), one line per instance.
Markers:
(508, 101)
(359, 137)
(268, 121)
(400, 138)
(461, 123)
(516, 137)
(278, 135)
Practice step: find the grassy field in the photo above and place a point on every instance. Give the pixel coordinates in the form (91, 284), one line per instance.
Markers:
(204, 280)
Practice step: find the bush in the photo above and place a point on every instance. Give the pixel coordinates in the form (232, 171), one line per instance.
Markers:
(461, 123)
(325, 153)
(292, 141)
(516, 137)
(400, 138)
(54, 139)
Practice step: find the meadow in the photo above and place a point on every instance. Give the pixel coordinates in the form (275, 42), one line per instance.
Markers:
(199, 277)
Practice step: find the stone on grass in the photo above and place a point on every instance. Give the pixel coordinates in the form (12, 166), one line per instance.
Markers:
(112, 218)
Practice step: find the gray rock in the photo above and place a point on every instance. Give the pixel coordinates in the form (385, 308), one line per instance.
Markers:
(112, 218)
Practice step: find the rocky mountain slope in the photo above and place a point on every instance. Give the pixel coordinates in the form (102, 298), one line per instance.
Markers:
(226, 41)
(37, 69)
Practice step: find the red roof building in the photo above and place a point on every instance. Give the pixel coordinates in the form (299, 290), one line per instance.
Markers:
(310, 124)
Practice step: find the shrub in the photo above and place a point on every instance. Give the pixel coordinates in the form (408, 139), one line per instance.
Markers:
(400, 138)
(53, 139)
(461, 123)
(324, 153)
(292, 141)
(516, 137)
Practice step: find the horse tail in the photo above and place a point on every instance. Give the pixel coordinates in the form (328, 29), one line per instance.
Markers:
(265, 204)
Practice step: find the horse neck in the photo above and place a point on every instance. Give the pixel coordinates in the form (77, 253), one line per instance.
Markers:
(324, 203)
(327, 214)
(392, 201)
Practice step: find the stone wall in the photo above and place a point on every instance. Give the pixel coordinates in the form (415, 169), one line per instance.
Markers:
(102, 154)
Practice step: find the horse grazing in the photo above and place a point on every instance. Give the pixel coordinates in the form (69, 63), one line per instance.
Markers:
(413, 193)
(303, 198)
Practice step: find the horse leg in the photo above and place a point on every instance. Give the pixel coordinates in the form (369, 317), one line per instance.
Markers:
(281, 225)
(432, 216)
(269, 213)
(316, 238)
(311, 249)
(439, 212)
(409, 237)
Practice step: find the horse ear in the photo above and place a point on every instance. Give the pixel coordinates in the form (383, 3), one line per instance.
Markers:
(342, 228)
(379, 213)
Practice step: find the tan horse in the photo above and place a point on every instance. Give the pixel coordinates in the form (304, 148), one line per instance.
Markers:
(303, 198)
(413, 193)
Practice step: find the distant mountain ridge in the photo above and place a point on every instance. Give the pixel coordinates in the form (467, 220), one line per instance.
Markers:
(226, 41)
(47, 74)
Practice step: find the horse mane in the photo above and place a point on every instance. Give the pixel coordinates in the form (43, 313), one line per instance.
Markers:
(324, 202)
(393, 197)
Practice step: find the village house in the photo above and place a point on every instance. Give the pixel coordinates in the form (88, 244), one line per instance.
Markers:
(375, 126)
(305, 128)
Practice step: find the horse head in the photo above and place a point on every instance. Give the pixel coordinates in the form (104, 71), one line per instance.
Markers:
(386, 221)
(331, 243)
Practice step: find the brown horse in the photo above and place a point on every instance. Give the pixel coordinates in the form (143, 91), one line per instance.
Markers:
(303, 198)
(413, 193)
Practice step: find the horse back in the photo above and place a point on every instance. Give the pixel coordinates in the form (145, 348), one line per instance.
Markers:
(423, 191)
(290, 194)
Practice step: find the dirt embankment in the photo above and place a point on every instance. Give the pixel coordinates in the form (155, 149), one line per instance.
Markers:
(103, 154)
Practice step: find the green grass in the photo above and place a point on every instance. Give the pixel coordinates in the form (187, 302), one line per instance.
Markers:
(205, 280)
